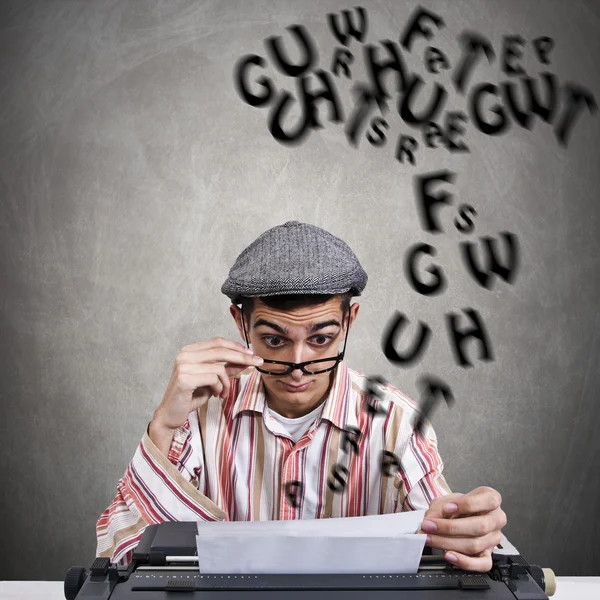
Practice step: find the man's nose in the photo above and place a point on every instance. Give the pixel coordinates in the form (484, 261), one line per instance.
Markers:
(298, 357)
(297, 374)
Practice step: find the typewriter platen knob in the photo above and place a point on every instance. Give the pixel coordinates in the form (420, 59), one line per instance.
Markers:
(74, 581)
(550, 581)
(544, 578)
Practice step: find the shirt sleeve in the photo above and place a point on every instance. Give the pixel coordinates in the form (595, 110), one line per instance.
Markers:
(421, 471)
(156, 488)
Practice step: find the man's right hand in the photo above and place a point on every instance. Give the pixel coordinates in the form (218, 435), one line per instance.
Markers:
(198, 375)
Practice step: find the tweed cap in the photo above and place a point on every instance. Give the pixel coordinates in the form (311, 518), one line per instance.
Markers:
(295, 258)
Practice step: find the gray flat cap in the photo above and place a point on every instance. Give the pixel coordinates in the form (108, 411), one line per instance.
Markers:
(295, 258)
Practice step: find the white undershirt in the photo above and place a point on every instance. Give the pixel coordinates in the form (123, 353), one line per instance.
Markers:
(297, 427)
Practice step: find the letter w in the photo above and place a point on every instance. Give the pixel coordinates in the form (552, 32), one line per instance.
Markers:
(350, 30)
(480, 275)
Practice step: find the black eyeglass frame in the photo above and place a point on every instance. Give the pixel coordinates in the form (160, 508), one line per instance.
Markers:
(293, 366)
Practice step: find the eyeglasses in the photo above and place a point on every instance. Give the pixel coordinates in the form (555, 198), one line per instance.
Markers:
(310, 367)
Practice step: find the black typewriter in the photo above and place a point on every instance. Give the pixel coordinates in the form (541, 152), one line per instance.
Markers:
(165, 566)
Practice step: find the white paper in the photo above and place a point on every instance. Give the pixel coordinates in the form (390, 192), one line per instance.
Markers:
(406, 522)
(372, 544)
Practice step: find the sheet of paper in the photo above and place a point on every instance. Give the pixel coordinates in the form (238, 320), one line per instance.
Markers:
(373, 544)
(374, 525)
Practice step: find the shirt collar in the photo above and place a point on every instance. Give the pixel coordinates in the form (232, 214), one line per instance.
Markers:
(252, 395)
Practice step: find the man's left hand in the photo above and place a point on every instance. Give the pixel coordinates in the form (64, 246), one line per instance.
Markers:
(470, 531)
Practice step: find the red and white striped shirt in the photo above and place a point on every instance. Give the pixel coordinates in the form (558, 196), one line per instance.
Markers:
(229, 462)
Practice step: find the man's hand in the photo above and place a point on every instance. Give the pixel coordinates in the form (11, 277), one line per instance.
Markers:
(199, 374)
(467, 526)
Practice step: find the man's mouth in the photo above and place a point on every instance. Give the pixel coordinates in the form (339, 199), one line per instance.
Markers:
(296, 388)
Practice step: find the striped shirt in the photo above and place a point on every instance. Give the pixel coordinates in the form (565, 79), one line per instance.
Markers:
(229, 462)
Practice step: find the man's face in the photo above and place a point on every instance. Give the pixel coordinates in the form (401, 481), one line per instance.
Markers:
(307, 333)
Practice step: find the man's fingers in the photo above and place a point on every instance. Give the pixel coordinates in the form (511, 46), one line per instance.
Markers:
(480, 500)
(218, 370)
(433, 512)
(471, 546)
(216, 355)
(437, 504)
(469, 530)
(232, 369)
(217, 389)
(206, 358)
(480, 564)
(430, 515)
(193, 381)
(475, 526)
(214, 343)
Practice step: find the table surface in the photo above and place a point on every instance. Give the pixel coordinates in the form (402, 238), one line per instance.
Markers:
(567, 588)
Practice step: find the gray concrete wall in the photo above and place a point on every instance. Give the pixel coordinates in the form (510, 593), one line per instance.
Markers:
(132, 174)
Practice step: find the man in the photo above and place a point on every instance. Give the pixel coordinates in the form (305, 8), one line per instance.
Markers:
(286, 430)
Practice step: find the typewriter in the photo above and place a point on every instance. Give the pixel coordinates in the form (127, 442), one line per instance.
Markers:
(165, 566)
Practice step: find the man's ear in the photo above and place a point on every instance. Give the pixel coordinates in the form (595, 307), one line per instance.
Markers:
(353, 313)
(236, 313)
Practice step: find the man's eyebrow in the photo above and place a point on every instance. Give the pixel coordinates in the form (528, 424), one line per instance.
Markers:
(282, 330)
(322, 325)
(285, 331)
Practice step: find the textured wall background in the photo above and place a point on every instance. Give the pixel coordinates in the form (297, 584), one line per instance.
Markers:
(131, 176)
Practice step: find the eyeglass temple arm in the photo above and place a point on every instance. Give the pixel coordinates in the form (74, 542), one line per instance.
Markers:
(244, 326)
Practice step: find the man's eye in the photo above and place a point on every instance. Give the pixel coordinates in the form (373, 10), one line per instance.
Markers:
(275, 341)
